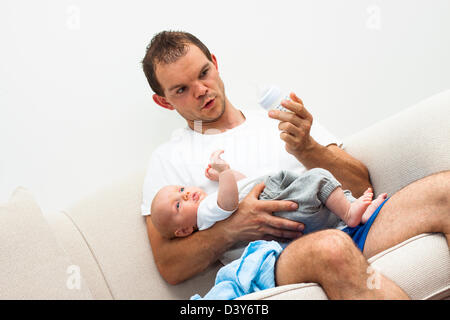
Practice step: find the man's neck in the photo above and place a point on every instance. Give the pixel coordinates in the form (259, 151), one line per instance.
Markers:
(230, 119)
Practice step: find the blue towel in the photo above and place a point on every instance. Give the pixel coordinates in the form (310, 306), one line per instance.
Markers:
(252, 272)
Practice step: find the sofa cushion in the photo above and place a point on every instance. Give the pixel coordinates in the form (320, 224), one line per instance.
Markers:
(32, 264)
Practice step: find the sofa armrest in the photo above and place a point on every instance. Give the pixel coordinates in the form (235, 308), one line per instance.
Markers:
(420, 266)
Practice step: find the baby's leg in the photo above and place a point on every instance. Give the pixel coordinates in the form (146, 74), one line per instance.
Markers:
(351, 213)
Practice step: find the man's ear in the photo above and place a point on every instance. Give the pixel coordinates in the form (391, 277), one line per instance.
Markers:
(183, 232)
(161, 101)
(214, 61)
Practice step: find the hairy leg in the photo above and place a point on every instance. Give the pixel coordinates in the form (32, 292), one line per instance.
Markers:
(331, 259)
(421, 207)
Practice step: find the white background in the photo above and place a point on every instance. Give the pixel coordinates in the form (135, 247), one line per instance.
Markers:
(76, 111)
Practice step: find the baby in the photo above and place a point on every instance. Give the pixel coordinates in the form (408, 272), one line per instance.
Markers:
(178, 211)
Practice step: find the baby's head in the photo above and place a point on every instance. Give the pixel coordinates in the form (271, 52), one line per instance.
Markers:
(174, 210)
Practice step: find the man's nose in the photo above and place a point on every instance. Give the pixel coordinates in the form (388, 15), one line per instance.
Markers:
(186, 196)
(201, 90)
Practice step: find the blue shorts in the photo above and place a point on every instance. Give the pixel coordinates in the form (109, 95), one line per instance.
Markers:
(359, 233)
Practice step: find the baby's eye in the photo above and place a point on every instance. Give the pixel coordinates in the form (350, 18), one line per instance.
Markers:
(178, 205)
(181, 189)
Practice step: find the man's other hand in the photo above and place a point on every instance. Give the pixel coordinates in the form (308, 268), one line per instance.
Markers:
(254, 219)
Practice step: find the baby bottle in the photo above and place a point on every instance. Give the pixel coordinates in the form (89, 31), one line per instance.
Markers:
(270, 98)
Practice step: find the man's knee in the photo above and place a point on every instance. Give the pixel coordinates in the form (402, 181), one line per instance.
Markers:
(334, 248)
(329, 247)
(315, 256)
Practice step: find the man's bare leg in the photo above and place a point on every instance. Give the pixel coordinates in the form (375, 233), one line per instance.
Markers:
(421, 207)
(331, 259)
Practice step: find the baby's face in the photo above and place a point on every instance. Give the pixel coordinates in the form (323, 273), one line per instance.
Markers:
(181, 203)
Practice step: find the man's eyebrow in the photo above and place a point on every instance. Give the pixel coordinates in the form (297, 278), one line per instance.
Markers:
(181, 85)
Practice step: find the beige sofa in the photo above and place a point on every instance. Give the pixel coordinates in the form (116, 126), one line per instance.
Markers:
(98, 248)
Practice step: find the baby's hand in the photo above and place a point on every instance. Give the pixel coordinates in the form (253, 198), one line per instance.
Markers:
(217, 163)
(211, 174)
(216, 166)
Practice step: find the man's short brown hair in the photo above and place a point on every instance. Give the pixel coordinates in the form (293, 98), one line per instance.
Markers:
(167, 47)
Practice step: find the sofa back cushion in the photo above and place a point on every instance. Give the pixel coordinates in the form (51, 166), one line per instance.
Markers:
(423, 133)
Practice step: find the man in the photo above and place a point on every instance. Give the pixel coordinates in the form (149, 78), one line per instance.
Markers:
(184, 76)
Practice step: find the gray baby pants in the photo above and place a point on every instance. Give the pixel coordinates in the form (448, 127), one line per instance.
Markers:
(310, 190)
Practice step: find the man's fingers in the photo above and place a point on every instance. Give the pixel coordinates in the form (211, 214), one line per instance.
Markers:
(276, 205)
(292, 129)
(286, 117)
(275, 233)
(296, 106)
(256, 191)
(282, 240)
(271, 205)
(288, 138)
(295, 98)
(284, 224)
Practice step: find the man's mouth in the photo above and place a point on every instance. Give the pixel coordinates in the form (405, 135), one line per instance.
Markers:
(195, 196)
(209, 104)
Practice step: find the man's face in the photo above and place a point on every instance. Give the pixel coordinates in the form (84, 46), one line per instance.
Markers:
(192, 86)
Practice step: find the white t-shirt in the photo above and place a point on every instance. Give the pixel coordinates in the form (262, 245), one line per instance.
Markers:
(253, 148)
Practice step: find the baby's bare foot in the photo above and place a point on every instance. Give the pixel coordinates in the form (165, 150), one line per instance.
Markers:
(358, 208)
(373, 206)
